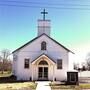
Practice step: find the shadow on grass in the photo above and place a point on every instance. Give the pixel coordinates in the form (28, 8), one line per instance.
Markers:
(11, 79)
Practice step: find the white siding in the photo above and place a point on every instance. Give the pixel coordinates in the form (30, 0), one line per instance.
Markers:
(33, 50)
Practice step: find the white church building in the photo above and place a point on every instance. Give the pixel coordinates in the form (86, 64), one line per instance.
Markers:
(42, 58)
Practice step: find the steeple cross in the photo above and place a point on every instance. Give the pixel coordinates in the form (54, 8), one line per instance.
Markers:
(44, 12)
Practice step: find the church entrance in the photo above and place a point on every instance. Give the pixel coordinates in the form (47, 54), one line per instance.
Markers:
(43, 73)
(43, 70)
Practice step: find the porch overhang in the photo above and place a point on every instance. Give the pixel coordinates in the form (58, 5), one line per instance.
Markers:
(39, 58)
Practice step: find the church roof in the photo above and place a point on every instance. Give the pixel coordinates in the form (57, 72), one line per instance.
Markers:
(39, 37)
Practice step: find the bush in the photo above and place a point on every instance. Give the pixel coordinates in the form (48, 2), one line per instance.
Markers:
(7, 79)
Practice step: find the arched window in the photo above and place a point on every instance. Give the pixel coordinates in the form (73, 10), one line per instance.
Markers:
(43, 63)
(43, 45)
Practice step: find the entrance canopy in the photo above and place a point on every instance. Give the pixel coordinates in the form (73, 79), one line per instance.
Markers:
(43, 59)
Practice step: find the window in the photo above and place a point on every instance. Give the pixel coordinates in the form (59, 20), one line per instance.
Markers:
(14, 57)
(26, 63)
(43, 63)
(43, 45)
(59, 63)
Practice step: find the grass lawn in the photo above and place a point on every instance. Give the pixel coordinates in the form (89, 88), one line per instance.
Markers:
(10, 83)
(18, 86)
(69, 87)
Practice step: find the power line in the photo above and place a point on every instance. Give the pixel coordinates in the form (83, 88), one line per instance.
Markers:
(48, 5)
(40, 3)
(29, 6)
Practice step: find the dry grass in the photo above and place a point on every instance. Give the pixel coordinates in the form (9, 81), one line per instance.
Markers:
(7, 82)
(70, 87)
(18, 86)
(5, 74)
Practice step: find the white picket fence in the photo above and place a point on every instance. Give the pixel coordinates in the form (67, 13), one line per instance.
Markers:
(84, 77)
(84, 74)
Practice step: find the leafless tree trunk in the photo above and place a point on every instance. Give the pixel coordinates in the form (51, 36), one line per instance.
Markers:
(4, 57)
(76, 66)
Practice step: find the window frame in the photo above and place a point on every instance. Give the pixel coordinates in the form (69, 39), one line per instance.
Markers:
(43, 45)
(59, 64)
(26, 65)
(15, 57)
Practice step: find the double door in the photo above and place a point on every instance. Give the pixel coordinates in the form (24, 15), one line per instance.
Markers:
(43, 73)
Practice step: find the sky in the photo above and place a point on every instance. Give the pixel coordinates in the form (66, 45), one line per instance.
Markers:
(70, 23)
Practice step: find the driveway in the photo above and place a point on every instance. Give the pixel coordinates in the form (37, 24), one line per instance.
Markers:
(43, 85)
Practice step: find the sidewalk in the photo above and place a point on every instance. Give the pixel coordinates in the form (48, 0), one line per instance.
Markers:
(43, 85)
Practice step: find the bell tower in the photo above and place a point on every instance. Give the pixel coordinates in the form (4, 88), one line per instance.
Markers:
(44, 25)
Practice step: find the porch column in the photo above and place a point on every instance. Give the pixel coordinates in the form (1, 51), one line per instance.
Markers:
(32, 72)
(53, 73)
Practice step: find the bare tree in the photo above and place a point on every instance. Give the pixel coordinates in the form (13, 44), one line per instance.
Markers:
(84, 68)
(88, 60)
(4, 58)
(76, 66)
(0, 58)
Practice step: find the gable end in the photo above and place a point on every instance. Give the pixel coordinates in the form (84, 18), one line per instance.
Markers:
(39, 37)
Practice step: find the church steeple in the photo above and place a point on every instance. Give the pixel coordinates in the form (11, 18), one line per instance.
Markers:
(44, 25)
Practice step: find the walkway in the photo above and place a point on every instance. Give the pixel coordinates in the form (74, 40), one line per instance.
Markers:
(43, 85)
